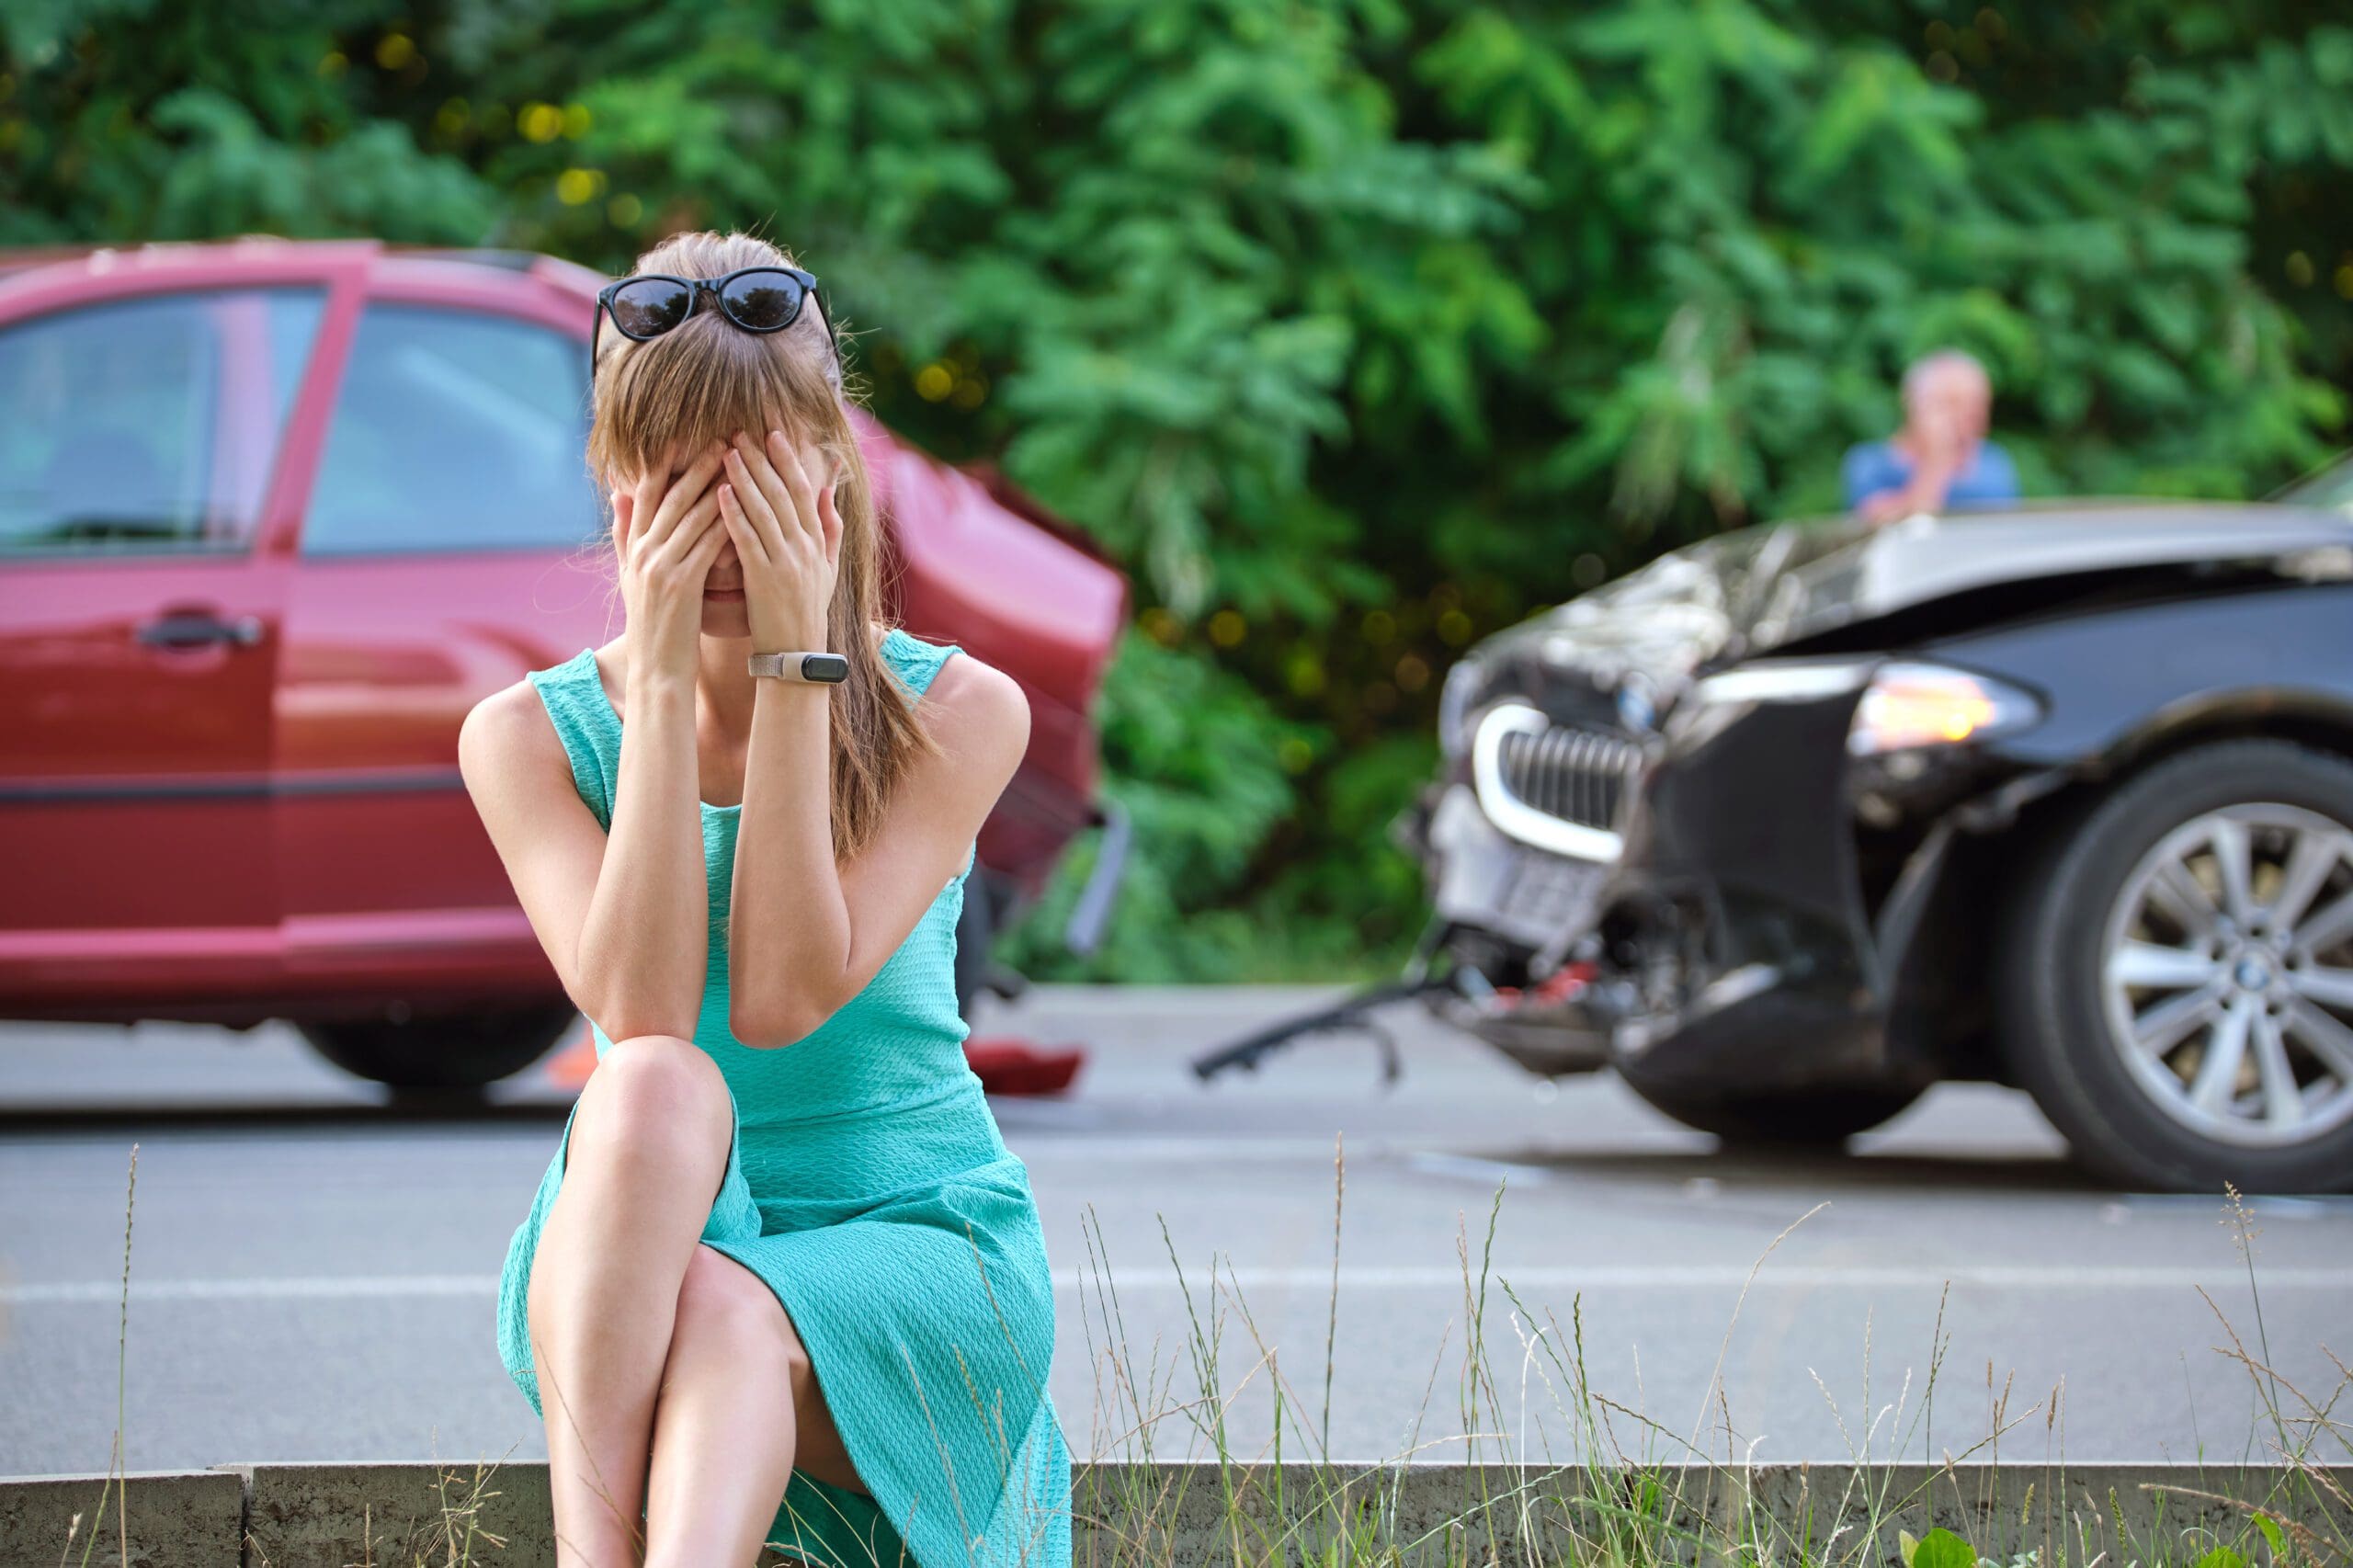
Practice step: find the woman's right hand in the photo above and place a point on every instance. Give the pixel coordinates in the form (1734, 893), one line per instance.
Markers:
(667, 533)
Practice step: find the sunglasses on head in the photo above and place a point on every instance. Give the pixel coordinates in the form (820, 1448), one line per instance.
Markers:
(757, 299)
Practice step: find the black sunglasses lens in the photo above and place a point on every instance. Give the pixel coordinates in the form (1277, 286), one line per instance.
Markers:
(763, 302)
(653, 305)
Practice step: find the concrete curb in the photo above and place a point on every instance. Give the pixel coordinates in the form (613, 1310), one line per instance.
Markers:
(171, 1517)
(397, 1516)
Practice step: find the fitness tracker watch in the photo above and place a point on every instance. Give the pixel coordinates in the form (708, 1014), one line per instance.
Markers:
(812, 669)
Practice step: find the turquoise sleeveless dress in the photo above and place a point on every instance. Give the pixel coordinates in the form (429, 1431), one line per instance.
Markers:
(867, 1185)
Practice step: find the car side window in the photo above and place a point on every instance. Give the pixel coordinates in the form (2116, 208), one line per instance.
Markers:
(455, 431)
(147, 425)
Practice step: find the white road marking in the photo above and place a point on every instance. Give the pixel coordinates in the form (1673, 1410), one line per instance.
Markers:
(1438, 1162)
(1034, 1149)
(1401, 1277)
(290, 1289)
(1038, 1145)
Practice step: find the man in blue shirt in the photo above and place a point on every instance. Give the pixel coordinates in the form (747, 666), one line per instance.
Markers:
(1941, 456)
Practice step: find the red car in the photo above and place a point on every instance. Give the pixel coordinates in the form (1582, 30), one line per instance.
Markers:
(274, 515)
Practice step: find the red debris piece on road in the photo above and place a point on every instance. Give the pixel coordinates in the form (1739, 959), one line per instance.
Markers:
(1016, 1067)
(1558, 986)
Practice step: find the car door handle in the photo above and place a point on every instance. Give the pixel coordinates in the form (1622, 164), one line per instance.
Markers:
(199, 628)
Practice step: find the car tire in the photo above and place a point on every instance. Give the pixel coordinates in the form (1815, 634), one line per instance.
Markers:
(1791, 1119)
(2100, 886)
(457, 1050)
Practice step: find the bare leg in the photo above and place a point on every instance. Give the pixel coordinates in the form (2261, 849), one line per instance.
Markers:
(647, 1152)
(740, 1407)
(723, 1429)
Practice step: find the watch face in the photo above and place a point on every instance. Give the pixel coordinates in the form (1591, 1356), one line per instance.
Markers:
(828, 667)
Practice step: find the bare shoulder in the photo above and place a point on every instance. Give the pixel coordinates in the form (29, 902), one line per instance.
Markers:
(978, 712)
(507, 735)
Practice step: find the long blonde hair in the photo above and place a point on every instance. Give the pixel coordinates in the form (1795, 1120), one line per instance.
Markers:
(706, 378)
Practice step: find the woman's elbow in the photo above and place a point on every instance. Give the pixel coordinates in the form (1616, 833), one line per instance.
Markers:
(624, 1011)
(625, 1023)
(773, 1026)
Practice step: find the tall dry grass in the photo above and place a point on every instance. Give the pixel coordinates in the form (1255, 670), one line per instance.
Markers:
(1629, 1490)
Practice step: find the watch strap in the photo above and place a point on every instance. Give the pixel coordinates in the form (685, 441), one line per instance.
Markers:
(812, 669)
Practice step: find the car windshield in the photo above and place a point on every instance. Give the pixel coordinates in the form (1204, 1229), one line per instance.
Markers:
(2331, 486)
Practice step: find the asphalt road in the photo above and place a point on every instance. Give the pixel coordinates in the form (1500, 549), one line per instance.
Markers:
(313, 1271)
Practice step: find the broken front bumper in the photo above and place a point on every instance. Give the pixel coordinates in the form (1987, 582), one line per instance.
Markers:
(1730, 938)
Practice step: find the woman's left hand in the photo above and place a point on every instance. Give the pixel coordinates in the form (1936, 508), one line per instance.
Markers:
(788, 537)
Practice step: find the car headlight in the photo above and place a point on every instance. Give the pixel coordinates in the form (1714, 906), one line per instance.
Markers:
(1454, 704)
(1910, 705)
(1906, 704)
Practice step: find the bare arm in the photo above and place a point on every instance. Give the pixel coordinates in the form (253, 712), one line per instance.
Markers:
(623, 917)
(645, 937)
(808, 933)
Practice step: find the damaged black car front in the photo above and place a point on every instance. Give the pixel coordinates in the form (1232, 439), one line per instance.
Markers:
(1792, 823)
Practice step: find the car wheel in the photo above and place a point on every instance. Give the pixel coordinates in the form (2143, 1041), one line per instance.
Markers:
(443, 1051)
(2176, 980)
(1797, 1118)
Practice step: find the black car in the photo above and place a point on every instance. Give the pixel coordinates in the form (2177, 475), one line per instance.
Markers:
(1795, 822)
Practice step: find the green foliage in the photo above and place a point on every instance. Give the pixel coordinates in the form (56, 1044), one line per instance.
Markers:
(1355, 328)
(1192, 755)
(1940, 1548)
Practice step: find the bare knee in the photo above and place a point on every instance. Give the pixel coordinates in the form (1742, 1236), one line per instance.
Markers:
(654, 1099)
(720, 1296)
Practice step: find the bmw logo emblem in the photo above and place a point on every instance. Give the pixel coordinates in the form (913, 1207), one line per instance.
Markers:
(1636, 710)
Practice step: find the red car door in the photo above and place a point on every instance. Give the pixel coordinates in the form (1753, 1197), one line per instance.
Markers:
(141, 418)
(448, 544)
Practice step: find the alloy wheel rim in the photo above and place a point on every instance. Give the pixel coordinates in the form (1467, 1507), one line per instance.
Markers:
(2226, 974)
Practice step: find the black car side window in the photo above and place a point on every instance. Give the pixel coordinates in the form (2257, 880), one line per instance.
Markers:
(147, 425)
(455, 431)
